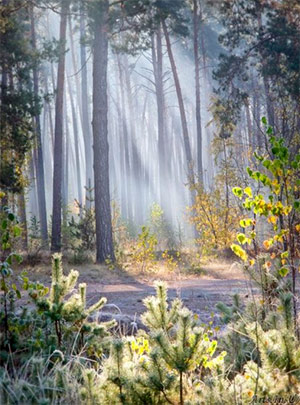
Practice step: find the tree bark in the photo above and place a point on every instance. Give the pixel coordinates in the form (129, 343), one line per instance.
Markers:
(76, 143)
(86, 121)
(135, 156)
(187, 146)
(40, 175)
(127, 173)
(196, 18)
(58, 135)
(164, 167)
(104, 240)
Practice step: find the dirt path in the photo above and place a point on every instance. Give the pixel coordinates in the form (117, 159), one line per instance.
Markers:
(125, 291)
(199, 295)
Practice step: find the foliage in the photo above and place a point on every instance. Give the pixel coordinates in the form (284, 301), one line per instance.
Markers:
(9, 230)
(215, 220)
(160, 226)
(143, 252)
(258, 62)
(120, 234)
(68, 312)
(279, 205)
(174, 360)
(79, 235)
(160, 366)
(60, 321)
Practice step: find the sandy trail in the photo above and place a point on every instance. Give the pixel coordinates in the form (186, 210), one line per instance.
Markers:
(199, 295)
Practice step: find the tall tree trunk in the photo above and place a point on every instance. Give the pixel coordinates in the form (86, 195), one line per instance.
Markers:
(40, 175)
(135, 156)
(86, 122)
(185, 132)
(58, 134)
(127, 174)
(269, 102)
(164, 169)
(249, 125)
(210, 172)
(196, 18)
(104, 240)
(4, 74)
(32, 189)
(66, 143)
(76, 143)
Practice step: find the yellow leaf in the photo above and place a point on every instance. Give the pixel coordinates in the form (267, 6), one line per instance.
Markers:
(267, 244)
(272, 220)
(248, 192)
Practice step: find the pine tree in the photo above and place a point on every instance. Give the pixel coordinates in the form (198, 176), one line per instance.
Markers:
(160, 366)
(67, 308)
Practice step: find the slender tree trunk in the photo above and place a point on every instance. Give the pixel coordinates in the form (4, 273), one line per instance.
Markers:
(58, 135)
(135, 156)
(4, 199)
(66, 143)
(251, 141)
(104, 240)
(86, 121)
(32, 189)
(127, 174)
(40, 175)
(196, 18)
(187, 146)
(207, 91)
(164, 170)
(76, 143)
(269, 103)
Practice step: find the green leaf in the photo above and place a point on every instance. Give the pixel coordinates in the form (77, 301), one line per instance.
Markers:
(11, 216)
(16, 231)
(4, 224)
(249, 171)
(297, 205)
(275, 150)
(267, 163)
(283, 271)
(241, 238)
(270, 131)
(264, 120)
(237, 191)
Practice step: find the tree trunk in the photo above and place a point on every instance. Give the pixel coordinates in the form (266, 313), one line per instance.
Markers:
(135, 156)
(127, 174)
(269, 103)
(86, 121)
(196, 18)
(40, 175)
(187, 146)
(104, 240)
(76, 143)
(58, 135)
(164, 167)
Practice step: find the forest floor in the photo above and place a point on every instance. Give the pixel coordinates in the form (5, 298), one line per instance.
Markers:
(217, 281)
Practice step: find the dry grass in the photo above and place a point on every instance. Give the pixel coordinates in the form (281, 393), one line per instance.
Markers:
(103, 274)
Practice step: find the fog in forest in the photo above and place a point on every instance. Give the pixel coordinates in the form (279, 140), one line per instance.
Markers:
(132, 108)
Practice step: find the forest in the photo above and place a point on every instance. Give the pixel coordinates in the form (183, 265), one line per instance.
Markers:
(149, 202)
